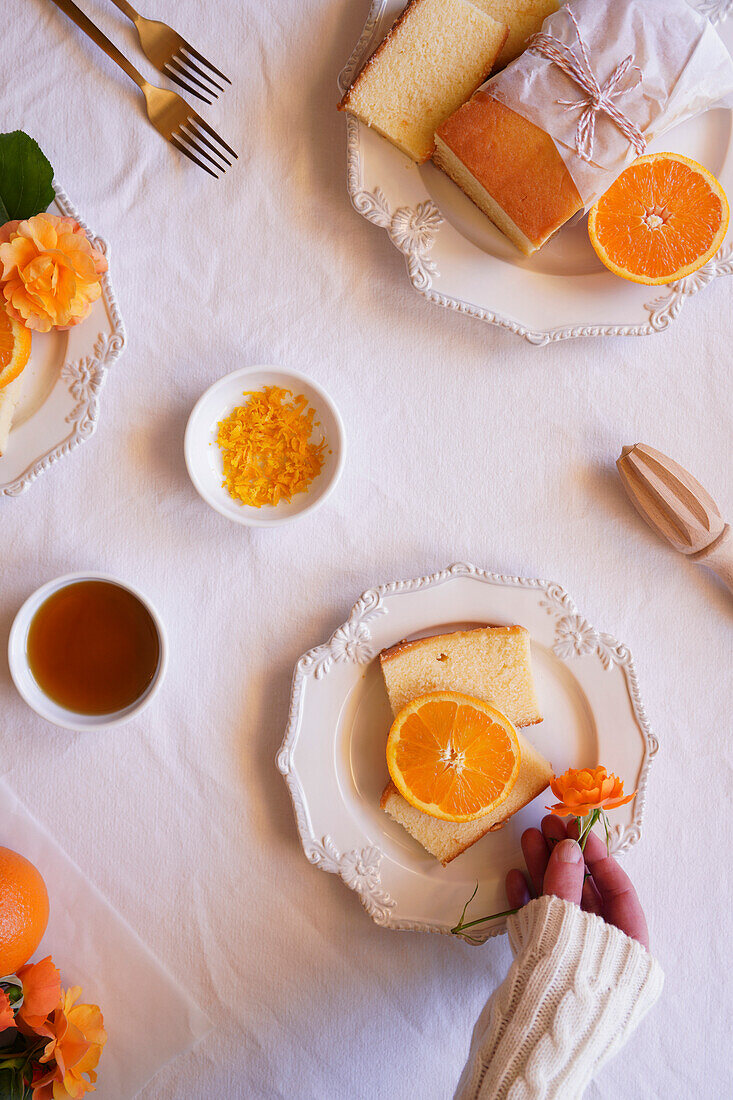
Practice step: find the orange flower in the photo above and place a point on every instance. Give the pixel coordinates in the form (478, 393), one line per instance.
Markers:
(7, 1019)
(50, 272)
(77, 1036)
(586, 789)
(41, 994)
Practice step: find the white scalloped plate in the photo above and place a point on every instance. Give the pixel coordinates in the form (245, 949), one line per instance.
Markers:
(457, 258)
(60, 403)
(333, 753)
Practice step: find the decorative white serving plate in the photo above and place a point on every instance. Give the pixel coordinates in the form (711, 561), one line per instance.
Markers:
(457, 258)
(333, 753)
(62, 384)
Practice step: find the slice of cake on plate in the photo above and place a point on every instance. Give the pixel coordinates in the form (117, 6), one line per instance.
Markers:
(488, 663)
(436, 54)
(509, 168)
(523, 17)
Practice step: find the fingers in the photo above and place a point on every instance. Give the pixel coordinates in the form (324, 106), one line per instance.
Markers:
(590, 900)
(620, 905)
(553, 830)
(565, 871)
(536, 854)
(517, 891)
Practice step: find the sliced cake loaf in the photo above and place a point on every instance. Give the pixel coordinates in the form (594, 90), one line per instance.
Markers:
(490, 663)
(436, 54)
(523, 17)
(509, 168)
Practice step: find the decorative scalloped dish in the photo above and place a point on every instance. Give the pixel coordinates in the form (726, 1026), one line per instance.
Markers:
(60, 403)
(457, 258)
(333, 753)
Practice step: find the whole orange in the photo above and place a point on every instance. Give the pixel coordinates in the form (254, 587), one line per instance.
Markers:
(23, 910)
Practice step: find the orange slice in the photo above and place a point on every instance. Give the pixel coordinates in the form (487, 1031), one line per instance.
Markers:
(15, 347)
(452, 756)
(663, 218)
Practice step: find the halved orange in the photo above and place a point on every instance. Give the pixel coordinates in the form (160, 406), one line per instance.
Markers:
(452, 756)
(15, 347)
(663, 218)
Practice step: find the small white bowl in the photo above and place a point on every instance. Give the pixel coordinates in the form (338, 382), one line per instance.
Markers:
(204, 459)
(37, 699)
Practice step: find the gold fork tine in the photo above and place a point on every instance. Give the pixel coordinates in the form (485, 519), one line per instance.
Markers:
(204, 61)
(181, 59)
(162, 45)
(175, 71)
(182, 84)
(205, 126)
(167, 111)
(202, 137)
(179, 145)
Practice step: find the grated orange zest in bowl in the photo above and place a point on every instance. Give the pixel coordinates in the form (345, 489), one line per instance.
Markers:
(267, 448)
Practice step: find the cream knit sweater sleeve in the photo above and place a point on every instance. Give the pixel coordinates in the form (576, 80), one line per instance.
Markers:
(576, 990)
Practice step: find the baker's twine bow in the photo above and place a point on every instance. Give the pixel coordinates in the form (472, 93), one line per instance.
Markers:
(598, 97)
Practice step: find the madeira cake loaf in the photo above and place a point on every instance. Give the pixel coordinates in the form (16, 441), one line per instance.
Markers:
(509, 168)
(436, 54)
(523, 17)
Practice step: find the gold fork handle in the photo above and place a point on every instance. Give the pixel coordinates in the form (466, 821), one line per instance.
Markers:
(68, 7)
(126, 9)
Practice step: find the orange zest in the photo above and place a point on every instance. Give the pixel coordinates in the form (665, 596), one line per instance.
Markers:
(452, 756)
(663, 218)
(267, 448)
(15, 347)
(23, 910)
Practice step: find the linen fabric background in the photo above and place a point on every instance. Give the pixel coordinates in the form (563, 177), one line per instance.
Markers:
(464, 442)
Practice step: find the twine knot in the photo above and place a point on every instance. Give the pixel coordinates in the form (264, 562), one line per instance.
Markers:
(598, 97)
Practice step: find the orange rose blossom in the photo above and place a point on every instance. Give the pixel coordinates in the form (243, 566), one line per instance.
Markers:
(50, 275)
(583, 790)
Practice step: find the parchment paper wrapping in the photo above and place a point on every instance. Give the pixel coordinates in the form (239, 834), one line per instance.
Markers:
(149, 1018)
(685, 66)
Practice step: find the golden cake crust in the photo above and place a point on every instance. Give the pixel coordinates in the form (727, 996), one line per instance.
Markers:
(515, 162)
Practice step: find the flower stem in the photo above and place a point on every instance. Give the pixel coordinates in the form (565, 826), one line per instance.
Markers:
(481, 920)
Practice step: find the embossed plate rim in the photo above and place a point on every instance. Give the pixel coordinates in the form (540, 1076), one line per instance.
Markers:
(93, 347)
(385, 887)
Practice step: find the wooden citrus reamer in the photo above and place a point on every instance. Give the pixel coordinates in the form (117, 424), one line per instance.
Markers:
(677, 507)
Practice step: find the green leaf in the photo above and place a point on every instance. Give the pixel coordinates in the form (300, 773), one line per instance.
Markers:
(26, 180)
(12, 1086)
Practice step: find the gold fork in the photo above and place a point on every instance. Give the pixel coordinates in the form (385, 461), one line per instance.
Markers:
(173, 56)
(169, 113)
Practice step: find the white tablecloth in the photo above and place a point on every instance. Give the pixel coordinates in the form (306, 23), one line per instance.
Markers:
(464, 443)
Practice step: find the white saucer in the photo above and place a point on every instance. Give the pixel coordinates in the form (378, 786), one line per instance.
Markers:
(204, 459)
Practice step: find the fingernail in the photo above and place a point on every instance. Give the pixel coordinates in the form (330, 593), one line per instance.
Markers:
(568, 851)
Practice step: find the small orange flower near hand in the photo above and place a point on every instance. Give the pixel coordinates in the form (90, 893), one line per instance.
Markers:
(583, 790)
(50, 275)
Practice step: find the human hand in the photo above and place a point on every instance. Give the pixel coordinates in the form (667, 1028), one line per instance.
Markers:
(556, 865)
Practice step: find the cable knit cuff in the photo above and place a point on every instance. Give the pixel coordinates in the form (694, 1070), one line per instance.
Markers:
(576, 990)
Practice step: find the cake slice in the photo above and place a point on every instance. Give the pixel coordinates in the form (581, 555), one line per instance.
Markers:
(523, 17)
(509, 168)
(447, 839)
(436, 54)
(9, 398)
(490, 663)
